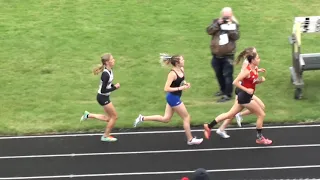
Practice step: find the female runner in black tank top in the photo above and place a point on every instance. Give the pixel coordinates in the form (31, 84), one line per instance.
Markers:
(177, 83)
(174, 86)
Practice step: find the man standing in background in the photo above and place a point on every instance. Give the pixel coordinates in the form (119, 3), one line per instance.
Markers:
(225, 33)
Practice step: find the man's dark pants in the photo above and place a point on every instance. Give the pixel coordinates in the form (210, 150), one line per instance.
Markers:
(223, 67)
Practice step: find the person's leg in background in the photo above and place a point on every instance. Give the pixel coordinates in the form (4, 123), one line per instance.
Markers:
(216, 64)
(227, 69)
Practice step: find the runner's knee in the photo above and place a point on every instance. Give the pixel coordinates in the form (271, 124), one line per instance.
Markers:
(166, 119)
(261, 114)
(187, 118)
(114, 116)
(106, 117)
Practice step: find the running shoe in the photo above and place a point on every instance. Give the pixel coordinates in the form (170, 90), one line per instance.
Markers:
(223, 134)
(195, 141)
(239, 119)
(263, 141)
(108, 139)
(138, 120)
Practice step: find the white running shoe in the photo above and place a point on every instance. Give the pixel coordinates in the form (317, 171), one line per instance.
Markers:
(195, 141)
(223, 134)
(239, 119)
(138, 121)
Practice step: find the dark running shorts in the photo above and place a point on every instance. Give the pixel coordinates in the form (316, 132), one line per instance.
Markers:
(237, 90)
(103, 100)
(243, 97)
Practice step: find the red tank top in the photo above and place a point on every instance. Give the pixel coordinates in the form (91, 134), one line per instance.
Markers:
(250, 82)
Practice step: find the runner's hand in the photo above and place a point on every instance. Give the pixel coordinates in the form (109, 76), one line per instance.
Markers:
(249, 91)
(117, 85)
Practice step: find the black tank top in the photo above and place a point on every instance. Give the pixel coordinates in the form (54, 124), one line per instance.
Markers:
(177, 83)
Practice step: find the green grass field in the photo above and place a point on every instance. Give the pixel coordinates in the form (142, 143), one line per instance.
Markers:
(48, 49)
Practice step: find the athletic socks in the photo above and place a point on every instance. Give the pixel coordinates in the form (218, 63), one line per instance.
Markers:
(259, 134)
(212, 124)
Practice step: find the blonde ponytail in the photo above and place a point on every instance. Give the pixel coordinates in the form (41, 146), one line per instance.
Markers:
(104, 58)
(165, 59)
(98, 69)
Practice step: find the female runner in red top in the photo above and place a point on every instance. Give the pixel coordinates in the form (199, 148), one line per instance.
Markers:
(249, 78)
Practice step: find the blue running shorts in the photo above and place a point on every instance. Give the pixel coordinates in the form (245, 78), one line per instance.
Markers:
(173, 100)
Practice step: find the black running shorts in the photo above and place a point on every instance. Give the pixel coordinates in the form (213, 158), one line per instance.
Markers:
(103, 99)
(237, 90)
(244, 97)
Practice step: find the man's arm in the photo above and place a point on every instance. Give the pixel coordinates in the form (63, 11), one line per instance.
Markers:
(234, 34)
(213, 28)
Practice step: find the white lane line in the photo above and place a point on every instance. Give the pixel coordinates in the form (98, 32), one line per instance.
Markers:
(158, 173)
(153, 132)
(159, 151)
